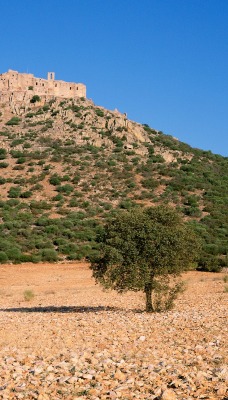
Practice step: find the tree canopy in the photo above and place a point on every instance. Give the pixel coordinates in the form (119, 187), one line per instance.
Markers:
(141, 250)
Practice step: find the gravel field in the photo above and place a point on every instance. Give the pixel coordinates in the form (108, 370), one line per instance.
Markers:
(75, 341)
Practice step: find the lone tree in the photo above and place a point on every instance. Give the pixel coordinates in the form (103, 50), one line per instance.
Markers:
(145, 250)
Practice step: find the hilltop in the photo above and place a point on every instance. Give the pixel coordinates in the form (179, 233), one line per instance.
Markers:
(67, 164)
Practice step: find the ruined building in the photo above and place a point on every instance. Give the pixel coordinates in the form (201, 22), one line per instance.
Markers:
(15, 82)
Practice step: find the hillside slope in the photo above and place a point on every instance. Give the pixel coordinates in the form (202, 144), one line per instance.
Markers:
(66, 164)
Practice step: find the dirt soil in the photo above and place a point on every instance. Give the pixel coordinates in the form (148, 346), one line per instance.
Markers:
(75, 341)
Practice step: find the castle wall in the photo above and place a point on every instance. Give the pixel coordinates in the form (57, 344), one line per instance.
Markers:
(15, 81)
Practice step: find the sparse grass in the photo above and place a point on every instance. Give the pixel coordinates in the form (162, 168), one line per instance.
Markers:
(225, 278)
(226, 289)
(28, 295)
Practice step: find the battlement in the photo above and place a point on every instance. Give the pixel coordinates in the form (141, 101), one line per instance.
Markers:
(12, 81)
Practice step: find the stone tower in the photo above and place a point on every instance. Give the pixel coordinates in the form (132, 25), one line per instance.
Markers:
(51, 76)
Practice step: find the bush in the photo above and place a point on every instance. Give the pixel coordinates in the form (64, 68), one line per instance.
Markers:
(14, 254)
(49, 255)
(150, 183)
(26, 195)
(35, 98)
(3, 257)
(58, 197)
(21, 160)
(66, 189)
(16, 142)
(14, 192)
(2, 180)
(55, 180)
(4, 164)
(69, 249)
(3, 154)
(13, 121)
(29, 115)
(209, 263)
(99, 112)
(126, 204)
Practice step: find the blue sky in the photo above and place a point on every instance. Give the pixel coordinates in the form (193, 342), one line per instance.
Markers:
(164, 62)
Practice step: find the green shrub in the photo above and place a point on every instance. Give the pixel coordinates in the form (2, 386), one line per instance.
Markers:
(66, 189)
(4, 164)
(35, 98)
(18, 167)
(99, 112)
(16, 142)
(209, 263)
(150, 183)
(14, 121)
(26, 195)
(69, 249)
(3, 153)
(21, 160)
(2, 180)
(14, 254)
(49, 255)
(76, 179)
(14, 192)
(29, 115)
(55, 180)
(3, 257)
(126, 204)
(17, 153)
(58, 197)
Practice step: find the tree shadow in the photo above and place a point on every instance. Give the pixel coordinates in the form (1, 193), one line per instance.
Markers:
(61, 309)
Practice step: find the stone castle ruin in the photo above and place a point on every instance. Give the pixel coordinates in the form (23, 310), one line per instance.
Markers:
(21, 83)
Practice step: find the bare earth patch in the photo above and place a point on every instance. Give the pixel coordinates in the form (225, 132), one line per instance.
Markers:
(74, 341)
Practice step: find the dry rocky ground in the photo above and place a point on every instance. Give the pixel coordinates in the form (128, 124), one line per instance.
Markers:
(75, 341)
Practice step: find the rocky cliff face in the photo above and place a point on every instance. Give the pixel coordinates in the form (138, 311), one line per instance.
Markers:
(91, 120)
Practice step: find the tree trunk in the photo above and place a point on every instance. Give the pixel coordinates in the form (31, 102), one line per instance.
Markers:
(148, 291)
